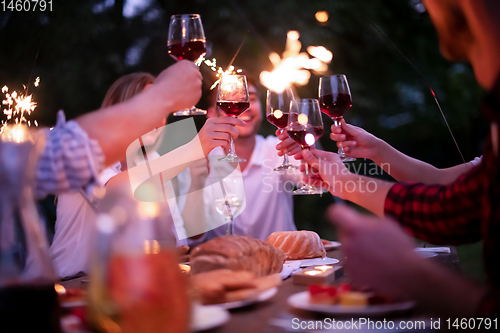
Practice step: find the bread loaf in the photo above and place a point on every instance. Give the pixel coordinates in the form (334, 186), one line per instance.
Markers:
(237, 253)
(298, 244)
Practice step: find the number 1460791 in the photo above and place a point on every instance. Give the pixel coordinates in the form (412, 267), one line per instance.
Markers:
(26, 5)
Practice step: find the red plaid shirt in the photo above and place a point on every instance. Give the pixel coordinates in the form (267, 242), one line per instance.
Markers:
(465, 211)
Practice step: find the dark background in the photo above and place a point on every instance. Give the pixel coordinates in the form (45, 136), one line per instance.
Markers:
(85, 45)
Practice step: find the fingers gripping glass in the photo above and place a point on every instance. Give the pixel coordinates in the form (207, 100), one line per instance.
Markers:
(305, 126)
(233, 99)
(186, 41)
(335, 100)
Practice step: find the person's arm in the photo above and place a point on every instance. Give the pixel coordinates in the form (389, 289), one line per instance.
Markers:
(380, 256)
(116, 127)
(327, 170)
(359, 143)
(439, 214)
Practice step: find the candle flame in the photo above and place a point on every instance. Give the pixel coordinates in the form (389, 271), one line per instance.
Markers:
(294, 67)
(60, 289)
(313, 272)
(323, 268)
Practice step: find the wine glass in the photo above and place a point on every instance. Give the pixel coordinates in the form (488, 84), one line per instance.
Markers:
(305, 126)
(186, 40)
(277, 109)
(335, 100)
(232, 99)
(231, 201)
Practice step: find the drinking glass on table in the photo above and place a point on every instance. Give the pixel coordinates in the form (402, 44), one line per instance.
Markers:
(277, 109)
(335, 100)
(233, 100)
(186, 40)
(305, 126)
(230, 202)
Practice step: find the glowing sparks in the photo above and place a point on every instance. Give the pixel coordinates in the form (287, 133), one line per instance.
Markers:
(294, 66)
(321, 16)
(16, 107)
(212, 64)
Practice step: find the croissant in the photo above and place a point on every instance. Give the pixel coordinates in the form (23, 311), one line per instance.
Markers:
(298, 244)
(237, 253)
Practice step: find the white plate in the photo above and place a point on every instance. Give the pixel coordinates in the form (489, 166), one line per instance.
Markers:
(314, 261)
(426, 254)
(205, 317)
(331, 245)
(301, 301)
(263, 296)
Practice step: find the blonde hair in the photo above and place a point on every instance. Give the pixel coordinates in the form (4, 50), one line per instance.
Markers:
(126, 87)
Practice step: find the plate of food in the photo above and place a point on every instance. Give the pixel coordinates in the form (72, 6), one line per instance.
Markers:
(205, 317)
(330, 245)
(342, 300)
(234, 289)
(260, 297)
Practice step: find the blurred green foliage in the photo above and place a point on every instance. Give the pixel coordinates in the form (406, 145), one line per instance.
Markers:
(85, 45)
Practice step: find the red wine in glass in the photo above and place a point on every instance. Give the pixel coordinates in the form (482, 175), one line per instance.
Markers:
(233, 109)
(335, 105)
(280, 122)
(334, 100)
(189, 50)
(300, 135)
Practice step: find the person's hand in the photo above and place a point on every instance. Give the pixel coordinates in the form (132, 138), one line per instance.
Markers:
(356, 141)
(178, 86)
(326, 169)
(379, 255)
(287, 145)
(218, 132)
(199, 172)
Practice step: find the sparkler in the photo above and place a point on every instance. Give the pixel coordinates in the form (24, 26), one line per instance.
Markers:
(16, 107)
(295, 66)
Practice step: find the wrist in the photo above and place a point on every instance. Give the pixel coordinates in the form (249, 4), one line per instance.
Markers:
(378, 151)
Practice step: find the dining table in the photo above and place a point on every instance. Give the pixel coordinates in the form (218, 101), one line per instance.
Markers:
(276, 315)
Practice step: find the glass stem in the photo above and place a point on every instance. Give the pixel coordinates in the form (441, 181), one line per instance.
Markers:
(337, 123)
(231, 148)
(285, 159)
(229, 228)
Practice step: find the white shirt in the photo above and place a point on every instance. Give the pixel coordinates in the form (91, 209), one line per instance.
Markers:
(74, 228)
(268, 198)
(70, 249)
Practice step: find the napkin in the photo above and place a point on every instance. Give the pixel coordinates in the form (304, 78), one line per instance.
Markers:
(433, 249)
(289, 269)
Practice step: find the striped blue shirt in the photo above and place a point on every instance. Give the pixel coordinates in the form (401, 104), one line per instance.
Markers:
(70, 161)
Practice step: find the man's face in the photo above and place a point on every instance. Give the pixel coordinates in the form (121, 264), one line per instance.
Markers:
(451, 26)
(252, 116)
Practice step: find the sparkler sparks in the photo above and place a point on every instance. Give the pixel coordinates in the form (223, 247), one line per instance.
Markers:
(294, 66)
(212, 64)
(16, 107)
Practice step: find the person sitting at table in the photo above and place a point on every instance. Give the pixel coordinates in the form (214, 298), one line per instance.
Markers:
(76, 151)
(76, 212)
(467, 210)
(267, 194)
